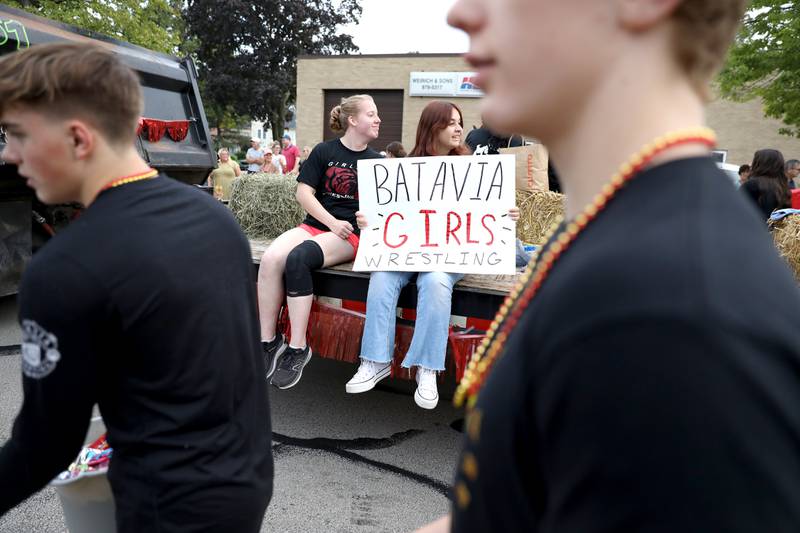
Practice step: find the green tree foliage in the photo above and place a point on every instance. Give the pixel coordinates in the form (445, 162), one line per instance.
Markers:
(765, 61)
(247, 51)
(228, 123)
(153, 24)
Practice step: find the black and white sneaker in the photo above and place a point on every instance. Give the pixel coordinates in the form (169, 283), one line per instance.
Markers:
(290, 367)
(272, 352)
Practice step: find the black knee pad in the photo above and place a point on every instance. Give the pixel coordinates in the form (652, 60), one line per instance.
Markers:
(304, 258)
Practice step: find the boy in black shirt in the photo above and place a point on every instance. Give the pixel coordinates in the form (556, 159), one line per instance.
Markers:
(635, 381)
(483, 141)
(144, 305)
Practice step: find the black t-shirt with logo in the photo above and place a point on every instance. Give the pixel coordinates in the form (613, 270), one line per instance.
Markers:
(331, 169)
(653, 384)
(145, 306)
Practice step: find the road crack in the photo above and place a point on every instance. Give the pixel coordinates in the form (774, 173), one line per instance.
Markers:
(342, 447)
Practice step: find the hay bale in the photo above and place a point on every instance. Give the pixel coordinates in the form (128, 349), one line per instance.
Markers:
(538, 211)
(264, 204)
(786, 234)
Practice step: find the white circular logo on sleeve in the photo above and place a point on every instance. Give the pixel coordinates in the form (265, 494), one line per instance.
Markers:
(39, 350)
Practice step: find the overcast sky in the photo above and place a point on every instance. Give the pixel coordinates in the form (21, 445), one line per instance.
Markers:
(405, 26)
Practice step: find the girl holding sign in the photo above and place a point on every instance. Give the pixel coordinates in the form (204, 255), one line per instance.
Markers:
(439, 133)
(328, 190)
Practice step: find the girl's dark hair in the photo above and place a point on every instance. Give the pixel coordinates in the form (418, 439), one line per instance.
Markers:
(768, 163)
(434, 118)
(768, 169)
(396, 149)
(769, 181)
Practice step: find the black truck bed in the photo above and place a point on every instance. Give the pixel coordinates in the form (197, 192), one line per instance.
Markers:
(169, 86)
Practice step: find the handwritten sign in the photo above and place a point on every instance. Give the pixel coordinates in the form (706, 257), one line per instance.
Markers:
(445, 214)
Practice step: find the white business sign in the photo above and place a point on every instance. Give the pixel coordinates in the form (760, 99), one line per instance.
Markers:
(446, 214)
(451, 84)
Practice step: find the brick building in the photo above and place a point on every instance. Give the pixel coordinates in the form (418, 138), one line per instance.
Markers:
(323, 80)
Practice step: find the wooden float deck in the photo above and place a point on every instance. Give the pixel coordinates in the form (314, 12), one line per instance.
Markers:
(476, 295)
(496, 284)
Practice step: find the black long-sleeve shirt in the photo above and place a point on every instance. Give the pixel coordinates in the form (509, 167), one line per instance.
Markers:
(484, 141)
(145, 305)
(653, 384)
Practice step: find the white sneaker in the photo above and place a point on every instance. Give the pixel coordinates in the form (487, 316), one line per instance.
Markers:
(368, 375)
(427, 395)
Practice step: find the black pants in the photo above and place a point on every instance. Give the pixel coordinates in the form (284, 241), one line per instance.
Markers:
(187, 508)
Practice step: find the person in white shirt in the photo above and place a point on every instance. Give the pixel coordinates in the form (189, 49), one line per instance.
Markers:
(254, 156)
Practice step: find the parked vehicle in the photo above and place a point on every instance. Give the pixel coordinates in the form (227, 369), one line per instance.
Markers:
(174, 136)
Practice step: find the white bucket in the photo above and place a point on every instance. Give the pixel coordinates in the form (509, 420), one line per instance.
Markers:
(87, 502)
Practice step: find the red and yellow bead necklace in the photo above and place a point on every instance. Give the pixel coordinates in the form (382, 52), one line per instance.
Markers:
(129, 179)
(542, 263)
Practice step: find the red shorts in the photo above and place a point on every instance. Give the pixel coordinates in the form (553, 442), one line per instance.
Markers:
(352, 239)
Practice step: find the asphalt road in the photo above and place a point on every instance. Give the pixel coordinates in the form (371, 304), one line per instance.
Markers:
(372, 462)
(9, 328)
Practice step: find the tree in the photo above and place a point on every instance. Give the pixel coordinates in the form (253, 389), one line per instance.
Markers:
(153, 24)
(247, 51)
(764, 61)
(228, 124)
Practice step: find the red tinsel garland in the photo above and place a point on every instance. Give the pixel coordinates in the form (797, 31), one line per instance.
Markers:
(335, 333)
(155, 129)
(177, 129)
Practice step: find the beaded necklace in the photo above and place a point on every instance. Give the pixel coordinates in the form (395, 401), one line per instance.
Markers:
(543, 260)
(129, 179)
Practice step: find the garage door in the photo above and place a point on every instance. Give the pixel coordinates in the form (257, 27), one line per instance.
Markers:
(390, 109)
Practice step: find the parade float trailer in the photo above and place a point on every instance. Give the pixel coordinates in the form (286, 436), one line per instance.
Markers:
(265, 207)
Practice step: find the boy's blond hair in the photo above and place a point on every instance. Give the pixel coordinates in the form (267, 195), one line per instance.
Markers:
(74, 80)
(704, 29)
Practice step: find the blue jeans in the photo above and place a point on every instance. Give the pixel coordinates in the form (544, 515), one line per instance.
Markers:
(429, 343)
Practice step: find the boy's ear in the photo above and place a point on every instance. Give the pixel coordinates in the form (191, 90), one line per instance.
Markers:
(640, 15)
(83, 139)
